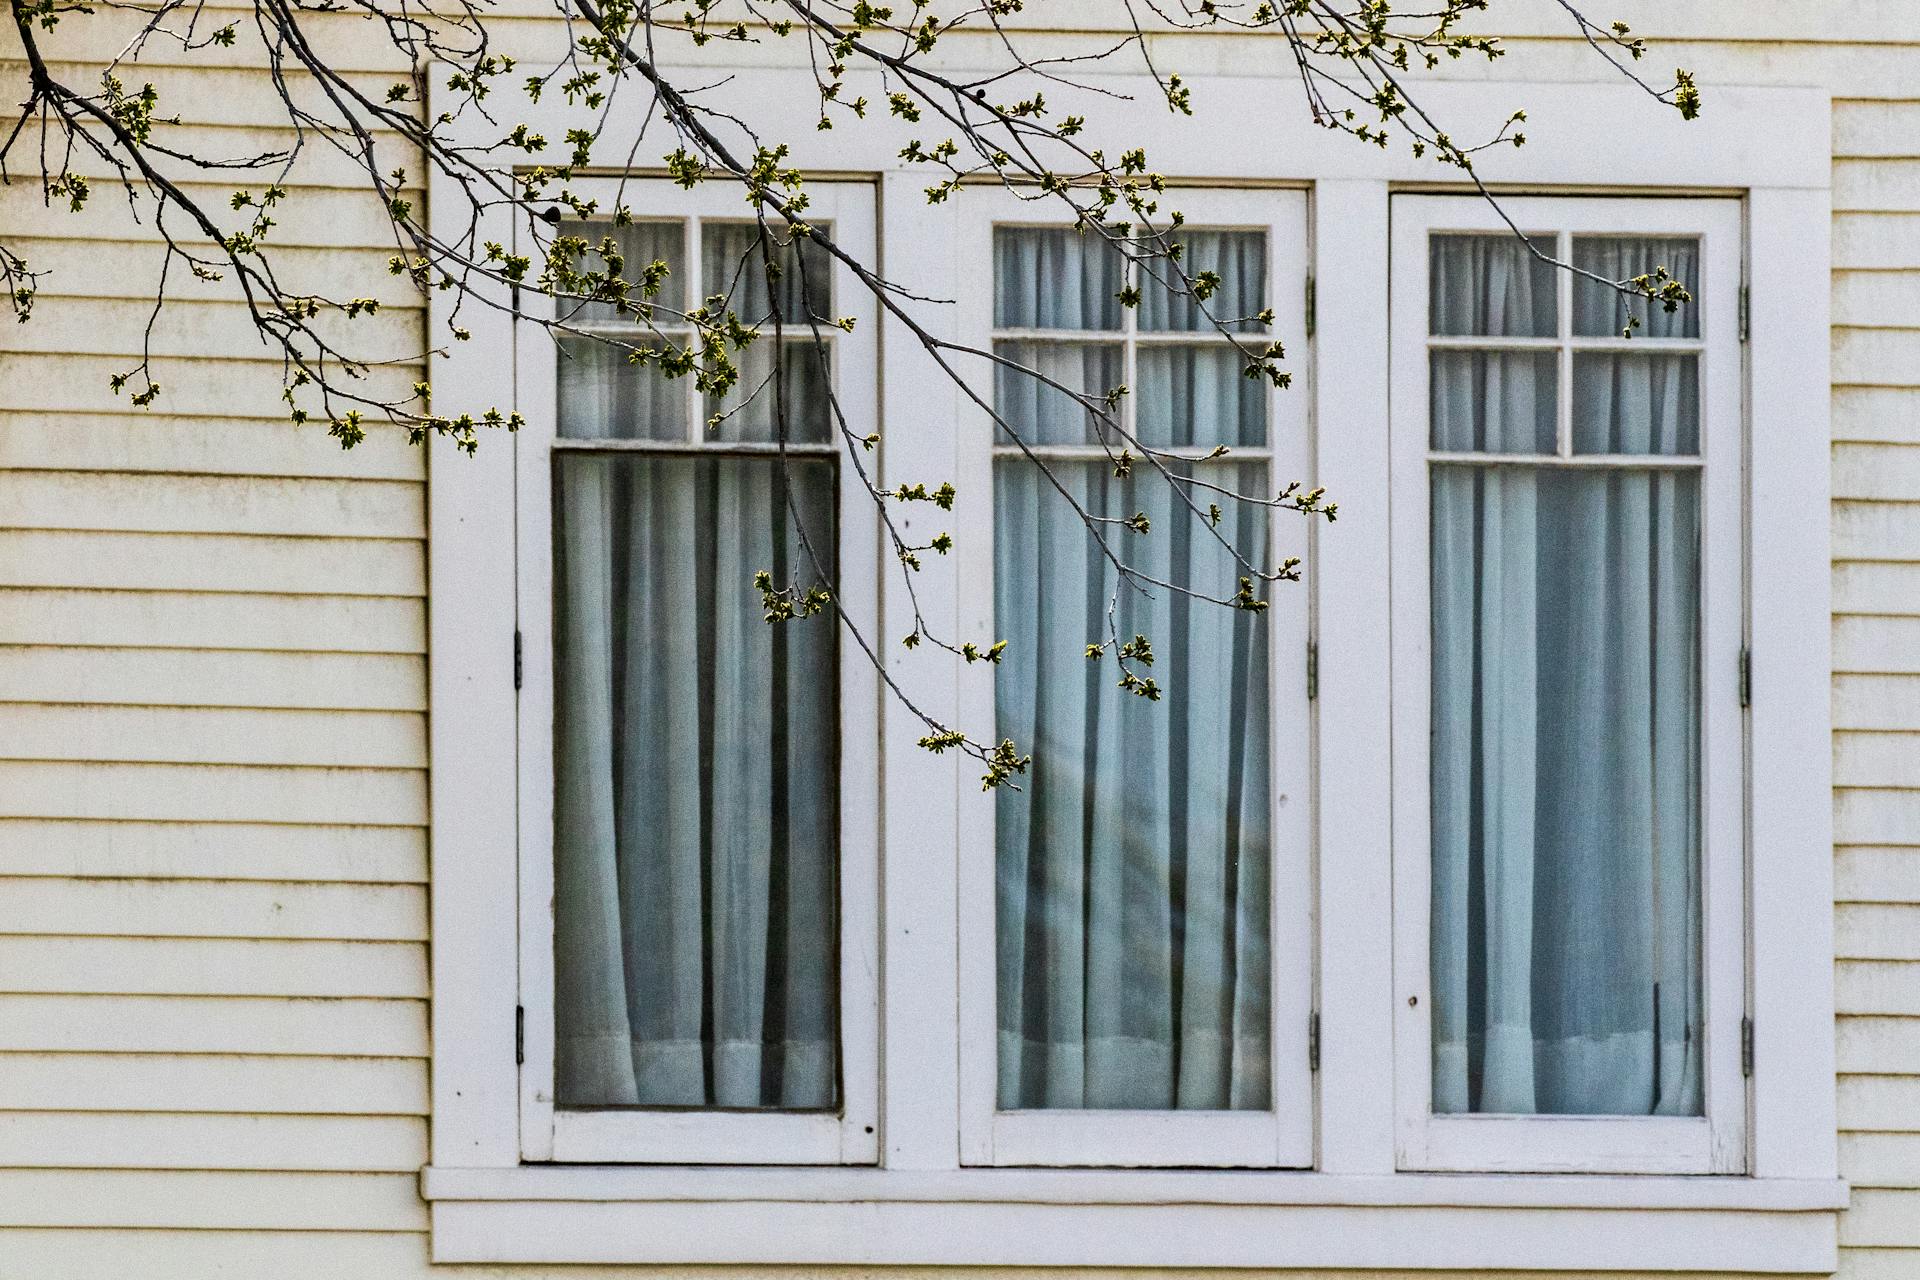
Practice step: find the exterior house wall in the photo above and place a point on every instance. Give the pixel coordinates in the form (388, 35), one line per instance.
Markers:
(213, 975)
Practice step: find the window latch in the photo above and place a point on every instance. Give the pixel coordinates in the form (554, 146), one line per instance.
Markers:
(1313, 1041)
(519, 1035)
(1746, 676)
(1313, 671)
(1310, 306)
(1746, 1047)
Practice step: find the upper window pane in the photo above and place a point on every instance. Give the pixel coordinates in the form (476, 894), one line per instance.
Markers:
(695, 787)
(1600, 310)
(1491, 286)
(1239, 258)
(637, 245)
(1054, 278)
(603, 395)
(1048, 409)
(733, 262)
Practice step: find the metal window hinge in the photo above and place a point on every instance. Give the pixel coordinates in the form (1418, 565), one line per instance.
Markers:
(1313, 1041)
(1313, 671)
(1743, 313)
(517, 663)
(1746, 1047)
(1310, 306)
(1746, 676)
(519, 1035)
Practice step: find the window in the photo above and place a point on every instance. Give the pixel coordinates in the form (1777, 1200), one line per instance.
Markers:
(1570, 883)
(1147, 993)
(1426, 908)
(701, 987)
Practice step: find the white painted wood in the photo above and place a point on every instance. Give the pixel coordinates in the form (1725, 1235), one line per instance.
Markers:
(1352, 621)
(216, 851)
(1716, 1143)
(186, 619)
(211, 504)
(208, 909)
(211, 793)
(195, 1255)
(216, 443)
(212, 562)
(212, 966)
(923, 823)
(277, 1084)
(96, 1199)
(222, 735)
(471, 624)
(1097, 1235)
(136, 1140)
(213, 677)
(1877, 987)
(196, 1024)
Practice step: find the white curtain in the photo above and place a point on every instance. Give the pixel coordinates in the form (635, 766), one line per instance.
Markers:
(1133, 904)
(1565, 742)
(694, 908)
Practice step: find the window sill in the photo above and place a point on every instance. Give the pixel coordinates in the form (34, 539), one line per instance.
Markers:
(1089, 1218)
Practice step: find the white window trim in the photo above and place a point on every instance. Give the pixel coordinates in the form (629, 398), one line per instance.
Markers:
(1282, 1136)
(661, 1136)
(1715, 1141)
(1354, 1210)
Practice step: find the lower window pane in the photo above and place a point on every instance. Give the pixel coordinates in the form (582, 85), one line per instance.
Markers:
(1566, 792)
(1133, 915)
(695, 761)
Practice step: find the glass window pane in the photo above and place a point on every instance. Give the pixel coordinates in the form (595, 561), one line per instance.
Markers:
(696, 763)
(602, 396)
(1600, 311)
(1239, 258)
(1054, 278)
(637, 244)
(1636, 402)
(1491, 286)
(1132, 868)
(1493, 401)
(750, 408)
(1198, 396)
(1044, 412)
(734, 266)
(1566, 949)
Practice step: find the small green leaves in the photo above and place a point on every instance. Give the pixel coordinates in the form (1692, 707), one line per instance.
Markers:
(784, 604)
(1245, 599)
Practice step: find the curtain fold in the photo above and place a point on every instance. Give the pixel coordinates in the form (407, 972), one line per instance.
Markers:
(695, 763)
(1133, 907)
(1566, 956)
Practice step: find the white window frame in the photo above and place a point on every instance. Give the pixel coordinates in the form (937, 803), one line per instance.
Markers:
(1283, 1135)
(1714, 1142)
(1355, 1208)
(704, 1135)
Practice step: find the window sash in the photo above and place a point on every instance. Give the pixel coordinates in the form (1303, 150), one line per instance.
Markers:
(1716, 1141)
(703, 1136)
(1283, 1135)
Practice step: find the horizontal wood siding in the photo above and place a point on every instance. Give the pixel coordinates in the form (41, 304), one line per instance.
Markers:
(212, 694)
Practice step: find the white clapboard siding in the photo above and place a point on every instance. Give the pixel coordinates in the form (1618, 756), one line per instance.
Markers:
(213, 735)
(251, 1254)
(42, 905)
(325, 564)
(211, 966)
(1878, 986)
(212, 851)
(1868, 873)
(97, 1198)
(216, 1083)
(204, 1024)
(183, 1140)
(213, 620)
(1882, 1159)
(211, 678)
(214, 385)
(212, 504)
(1875, 413)
(212, 793)
(218, 442)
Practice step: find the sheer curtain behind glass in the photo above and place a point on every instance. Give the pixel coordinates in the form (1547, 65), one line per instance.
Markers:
(1132, 873)
(694, 745)
(1566, 944)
